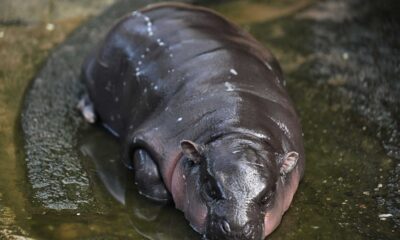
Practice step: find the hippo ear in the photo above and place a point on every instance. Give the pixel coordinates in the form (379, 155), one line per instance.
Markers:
(289, 162)
(191, 150)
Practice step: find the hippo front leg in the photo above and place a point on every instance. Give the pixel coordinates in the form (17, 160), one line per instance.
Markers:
(147, 177)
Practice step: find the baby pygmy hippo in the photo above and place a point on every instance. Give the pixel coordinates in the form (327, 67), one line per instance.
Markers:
(202, 115)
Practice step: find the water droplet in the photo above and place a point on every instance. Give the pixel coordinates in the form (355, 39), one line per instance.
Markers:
(268, 66)
(179, 119)
(160, 43)
(233, 71)
(229, 87)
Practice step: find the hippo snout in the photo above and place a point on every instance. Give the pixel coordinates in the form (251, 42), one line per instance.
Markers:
(220, 228)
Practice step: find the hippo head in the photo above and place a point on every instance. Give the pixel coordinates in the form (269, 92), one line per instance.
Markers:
(241, 185)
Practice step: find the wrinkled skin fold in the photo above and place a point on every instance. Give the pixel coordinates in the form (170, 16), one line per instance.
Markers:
(203, 117)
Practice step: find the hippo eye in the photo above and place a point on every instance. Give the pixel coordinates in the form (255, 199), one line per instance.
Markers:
(266, 200)
(211, 191)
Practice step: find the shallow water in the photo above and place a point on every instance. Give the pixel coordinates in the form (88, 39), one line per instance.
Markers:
(350, 177)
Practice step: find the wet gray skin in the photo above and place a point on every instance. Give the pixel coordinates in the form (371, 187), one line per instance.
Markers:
(234, 174)
(335, 55)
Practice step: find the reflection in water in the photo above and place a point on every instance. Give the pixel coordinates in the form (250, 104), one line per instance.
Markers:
(103, 152)
(151, 220)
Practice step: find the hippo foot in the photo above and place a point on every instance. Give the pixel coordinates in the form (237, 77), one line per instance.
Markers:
(85, 106)
(147, 177)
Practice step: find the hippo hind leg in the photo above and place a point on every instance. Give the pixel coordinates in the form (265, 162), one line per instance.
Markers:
(85, 106)
(147, 177)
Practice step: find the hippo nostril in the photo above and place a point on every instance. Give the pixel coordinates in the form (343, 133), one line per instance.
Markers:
(225, 226)
(247, 230)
